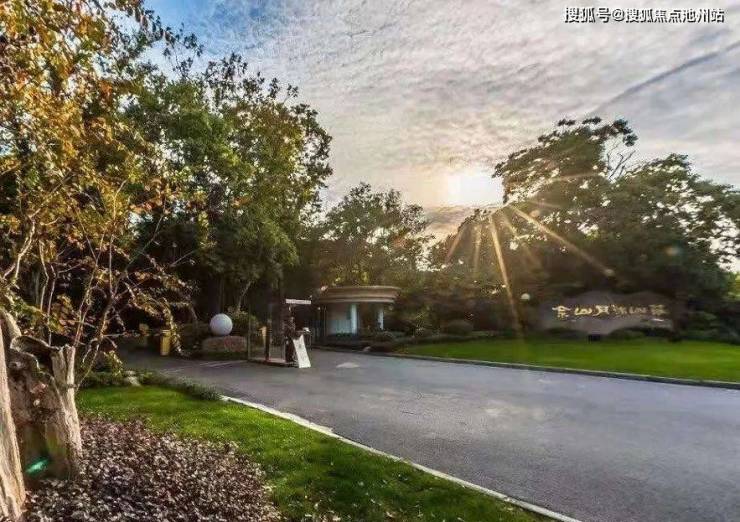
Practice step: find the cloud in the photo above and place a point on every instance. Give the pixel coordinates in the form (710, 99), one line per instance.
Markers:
(424, 96)
(445, 220)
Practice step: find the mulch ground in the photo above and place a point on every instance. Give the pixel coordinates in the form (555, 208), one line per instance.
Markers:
(130, 473)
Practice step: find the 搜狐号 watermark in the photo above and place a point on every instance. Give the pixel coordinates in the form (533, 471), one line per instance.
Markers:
(592, 15)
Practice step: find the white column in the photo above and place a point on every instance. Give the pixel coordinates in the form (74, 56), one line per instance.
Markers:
(380, 317)
(353, 318)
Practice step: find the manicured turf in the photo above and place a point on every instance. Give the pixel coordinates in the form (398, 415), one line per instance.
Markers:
(648, 356)
(313, 476)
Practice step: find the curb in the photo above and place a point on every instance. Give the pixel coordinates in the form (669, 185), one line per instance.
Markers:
(549, 369)
(439, 474)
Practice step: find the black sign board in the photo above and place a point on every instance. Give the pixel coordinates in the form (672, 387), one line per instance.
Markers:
(600, 313)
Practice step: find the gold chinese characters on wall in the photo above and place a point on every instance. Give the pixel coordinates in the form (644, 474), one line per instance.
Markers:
(609, 310)
(602, 312)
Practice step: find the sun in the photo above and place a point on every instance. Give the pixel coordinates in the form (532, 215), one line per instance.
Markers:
(472, 187)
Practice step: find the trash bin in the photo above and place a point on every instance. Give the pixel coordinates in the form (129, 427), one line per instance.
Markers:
(165, 342)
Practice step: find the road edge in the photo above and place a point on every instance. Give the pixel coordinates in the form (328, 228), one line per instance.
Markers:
(297, 419)
(550, 369)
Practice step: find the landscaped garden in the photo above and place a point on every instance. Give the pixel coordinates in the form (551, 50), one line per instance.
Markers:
(148, 185)
(310, 476)
(687, 359)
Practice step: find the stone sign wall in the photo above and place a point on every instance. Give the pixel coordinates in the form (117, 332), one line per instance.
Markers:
(600, 313)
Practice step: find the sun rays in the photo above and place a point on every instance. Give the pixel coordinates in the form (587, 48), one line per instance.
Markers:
(504, 274)
(498, 221)
(569, 245)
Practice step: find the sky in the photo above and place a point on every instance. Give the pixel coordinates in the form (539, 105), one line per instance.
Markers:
(425, 96)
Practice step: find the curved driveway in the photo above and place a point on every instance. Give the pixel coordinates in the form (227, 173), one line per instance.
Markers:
(594, 448)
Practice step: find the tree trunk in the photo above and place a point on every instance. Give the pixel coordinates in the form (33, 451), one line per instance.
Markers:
(242, 295)
(42, 388)
(12, 490)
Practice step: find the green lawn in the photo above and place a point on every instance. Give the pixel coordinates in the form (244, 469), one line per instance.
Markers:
(310, 473)
(649, 356)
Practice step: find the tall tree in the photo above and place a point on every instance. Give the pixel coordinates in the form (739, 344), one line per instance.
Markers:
(579, 213)
(12, 488)
(252, 161)
(372, 238)
(594, 217)
(71, 188)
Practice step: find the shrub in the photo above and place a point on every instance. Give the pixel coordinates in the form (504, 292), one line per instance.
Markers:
(716, 335)
(386, 347)
(566, 333)
(423, 333)
(458, 327)
(408, 320)
(108, 362)
(102, 380)
(190, 388)
(342, 336)
(220, 356)
(191, 334)
(700, 320)
(626, 334)
(367, 333)
(383, 337)
(242, 321)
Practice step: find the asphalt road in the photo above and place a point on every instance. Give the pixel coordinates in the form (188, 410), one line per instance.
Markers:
(594, 448)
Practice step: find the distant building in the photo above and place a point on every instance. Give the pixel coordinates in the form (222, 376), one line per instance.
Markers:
(349, 309)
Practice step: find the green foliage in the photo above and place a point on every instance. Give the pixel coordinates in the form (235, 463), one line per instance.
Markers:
(189, 388)
(112, 363)
(626, 334)
(371, 238)
(566, 333)
(191, 334)
(102, 379)
(700, 320)
(458, 327)
(735, 291)
(384, 337)
(74, 182)
(652, 225)
(242, 321)
(423, 333)
(581, 215)
(251, 161)
(220, 355)
(719, 335)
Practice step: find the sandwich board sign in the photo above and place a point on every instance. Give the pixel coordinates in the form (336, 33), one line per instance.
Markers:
(301, 354)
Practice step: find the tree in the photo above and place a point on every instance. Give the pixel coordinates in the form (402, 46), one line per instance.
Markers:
(372, 238)
(12, 488)
(594, 218)
(101, 156)
(476, 271)
(252, 162)
(580, 214)
(71, 190)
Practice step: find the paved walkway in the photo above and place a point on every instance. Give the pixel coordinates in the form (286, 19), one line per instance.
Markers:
(594, 448)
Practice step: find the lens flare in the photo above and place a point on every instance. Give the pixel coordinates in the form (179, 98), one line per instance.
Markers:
(504, 274)
(476, 250)
(453, 247)
(525, 247)
(560, 239)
